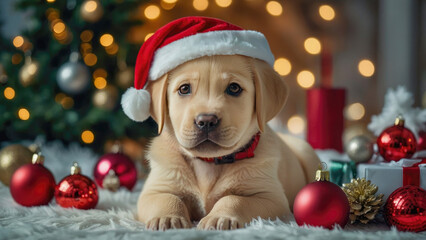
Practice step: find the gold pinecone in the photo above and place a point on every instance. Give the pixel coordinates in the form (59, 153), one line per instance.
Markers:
(363, 200)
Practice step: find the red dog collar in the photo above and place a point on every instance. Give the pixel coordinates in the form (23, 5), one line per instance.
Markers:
(247, 152)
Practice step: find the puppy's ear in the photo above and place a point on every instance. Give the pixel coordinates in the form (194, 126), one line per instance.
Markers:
(158, 108)
(271, 92)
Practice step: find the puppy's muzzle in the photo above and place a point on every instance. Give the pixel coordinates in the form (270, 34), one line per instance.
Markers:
(206, 122)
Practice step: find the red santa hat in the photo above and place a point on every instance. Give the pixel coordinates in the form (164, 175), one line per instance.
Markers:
(183, 40)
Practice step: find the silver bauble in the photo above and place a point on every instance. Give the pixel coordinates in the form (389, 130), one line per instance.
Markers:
(360, 148)
(73, 77)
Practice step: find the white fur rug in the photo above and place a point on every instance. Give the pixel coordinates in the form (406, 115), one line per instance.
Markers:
(114, 216)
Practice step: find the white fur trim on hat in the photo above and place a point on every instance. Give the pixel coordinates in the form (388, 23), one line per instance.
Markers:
(228, 42)
(136, 104)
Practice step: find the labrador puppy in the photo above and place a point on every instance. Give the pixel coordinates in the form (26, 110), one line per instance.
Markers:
(215, 106)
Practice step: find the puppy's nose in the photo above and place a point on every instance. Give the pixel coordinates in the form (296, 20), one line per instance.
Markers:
(206, 121)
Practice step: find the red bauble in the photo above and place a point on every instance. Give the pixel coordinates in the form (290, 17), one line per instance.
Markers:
(323, 204)
(32, 184)
(406, 209)
(396, 142)
(76, 190)
(421, 141)
(123, 167)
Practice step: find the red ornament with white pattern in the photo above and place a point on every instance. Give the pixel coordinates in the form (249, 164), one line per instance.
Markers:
(76, 191)
(396, 142)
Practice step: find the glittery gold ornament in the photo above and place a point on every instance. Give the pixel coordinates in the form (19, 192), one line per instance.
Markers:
(11, 158)
(28, 72)
(91, 10)
(363, 200)
(106, 98)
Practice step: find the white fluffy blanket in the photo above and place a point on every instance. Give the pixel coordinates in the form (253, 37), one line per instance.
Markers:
(114, 216)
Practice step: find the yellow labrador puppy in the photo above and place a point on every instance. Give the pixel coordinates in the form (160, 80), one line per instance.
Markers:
(216, 106)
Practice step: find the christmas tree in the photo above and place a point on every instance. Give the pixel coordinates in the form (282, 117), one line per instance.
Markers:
(63, 78)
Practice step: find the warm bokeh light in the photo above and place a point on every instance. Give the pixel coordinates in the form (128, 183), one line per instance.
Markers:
(85, 48)
(100, 72)
(113, 49)
(90, 6)
(152, 12)
(223, 3)
(305, 79)
(326, 12)
(67, 102)
(355, 111)
(312, 45)
(32, 68)
(16, 58)
(90, 59)
(296, 124)
(87, 136)
(9, 93)
(86, 36)
(23, 114)
(59, 97)
(59, 27)
(148, 36)
(366, 68)
(170, 1)
(100, 82)
(282, 66)
(50, 1)
(106, 40)
(274, 8)
(200, 5)
(167, 6)
(18, 41)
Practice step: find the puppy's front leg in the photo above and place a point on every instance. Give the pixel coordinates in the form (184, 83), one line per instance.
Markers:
(232, 211)
(161, 211)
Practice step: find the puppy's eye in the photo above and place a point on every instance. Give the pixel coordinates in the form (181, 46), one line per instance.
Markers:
(234, 90)
(185, 89)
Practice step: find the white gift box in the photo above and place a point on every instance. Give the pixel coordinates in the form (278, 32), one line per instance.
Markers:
(388, 176)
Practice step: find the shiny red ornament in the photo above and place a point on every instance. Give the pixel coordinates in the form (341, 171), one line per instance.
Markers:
(77, 191)
(396, 142)
(123, 167)
(322, 204)
(406, 209)
(32, 184)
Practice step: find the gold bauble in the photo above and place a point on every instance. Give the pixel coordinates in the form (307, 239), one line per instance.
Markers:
(91, 10)
(11, 158)
(124, 78)
(28, 73)
(106, 98)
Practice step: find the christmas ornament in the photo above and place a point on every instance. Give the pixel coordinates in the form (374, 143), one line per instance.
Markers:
(123, 167)
(359, 149)
(421, 141)
(396, 142)
(73, 77)
(406, 209)
(182, 40)
(91, 10)
(106, 98)
(321, 203)
(32, 184)
(124, 77)
(11, 158)
(28, 72)
(363, 201)
(111, 181)
(76, 190)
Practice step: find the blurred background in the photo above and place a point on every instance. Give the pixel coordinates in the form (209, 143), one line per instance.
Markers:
(65, 63)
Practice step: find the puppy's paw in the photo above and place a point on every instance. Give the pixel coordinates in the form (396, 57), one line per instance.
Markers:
(167, 222)
(217, 222)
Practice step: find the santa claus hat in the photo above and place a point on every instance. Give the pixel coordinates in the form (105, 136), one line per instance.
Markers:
(183, 40)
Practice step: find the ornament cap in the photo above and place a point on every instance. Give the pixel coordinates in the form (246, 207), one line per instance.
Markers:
(111, 181)
(38, 158)
(117, 147)
(400, 121)
(75, 169)
(321, 174)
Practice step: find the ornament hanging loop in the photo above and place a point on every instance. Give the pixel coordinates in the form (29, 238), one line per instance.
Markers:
(322, 174)
(399, 121)
(75, 169)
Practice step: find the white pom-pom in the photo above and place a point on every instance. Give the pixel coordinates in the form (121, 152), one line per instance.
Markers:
(135, 104)
(399, 101)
